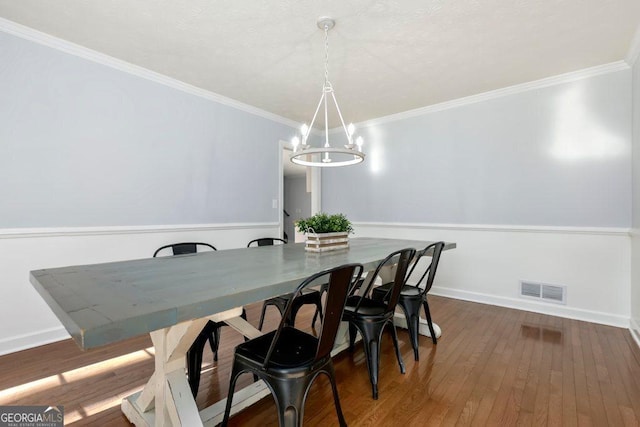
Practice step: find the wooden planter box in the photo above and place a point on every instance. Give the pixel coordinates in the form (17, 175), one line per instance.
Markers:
(324, 242)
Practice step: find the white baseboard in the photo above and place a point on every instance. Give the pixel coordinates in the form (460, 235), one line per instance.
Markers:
(549, 309)
(635, 331)
(36, 339)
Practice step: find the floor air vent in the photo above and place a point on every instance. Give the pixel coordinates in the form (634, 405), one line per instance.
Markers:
(544, 292)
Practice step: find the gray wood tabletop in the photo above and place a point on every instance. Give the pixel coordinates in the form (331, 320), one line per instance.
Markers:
(104, 303)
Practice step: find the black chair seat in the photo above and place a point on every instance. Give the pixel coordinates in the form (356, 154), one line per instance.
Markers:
(407, 290)
(368, 307)
(294, 349)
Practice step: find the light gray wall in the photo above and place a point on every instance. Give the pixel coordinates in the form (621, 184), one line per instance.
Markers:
(635, 235)
(556, 156)
(82, 144)
(297, 202)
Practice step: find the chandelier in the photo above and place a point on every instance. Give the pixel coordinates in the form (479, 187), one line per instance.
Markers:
(327, 156)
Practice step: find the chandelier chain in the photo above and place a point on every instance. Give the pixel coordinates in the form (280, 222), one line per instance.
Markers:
(326, 54)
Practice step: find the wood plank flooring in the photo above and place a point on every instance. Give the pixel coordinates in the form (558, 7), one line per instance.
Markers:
(492, 366)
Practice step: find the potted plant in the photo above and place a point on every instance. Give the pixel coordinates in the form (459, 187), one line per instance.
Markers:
(325, 232)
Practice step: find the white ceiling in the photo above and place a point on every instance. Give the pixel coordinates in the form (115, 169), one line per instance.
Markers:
(386, 56)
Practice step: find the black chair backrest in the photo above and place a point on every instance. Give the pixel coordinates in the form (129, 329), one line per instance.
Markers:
(340, 281)
(266, 241)
(434, 249)
(401, 259)
(184, 248)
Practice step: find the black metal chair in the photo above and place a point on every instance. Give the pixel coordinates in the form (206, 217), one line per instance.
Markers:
(323, 288)
(413, 296)
(309, 296)
(288, 360)
(210, 332)
(266, 241)
(369, 316)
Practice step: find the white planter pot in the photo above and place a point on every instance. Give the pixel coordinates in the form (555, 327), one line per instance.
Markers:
(323, 242)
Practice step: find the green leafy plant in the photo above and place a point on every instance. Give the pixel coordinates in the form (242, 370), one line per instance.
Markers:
(323, 223)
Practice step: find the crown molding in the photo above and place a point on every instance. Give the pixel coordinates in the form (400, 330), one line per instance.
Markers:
(634, 49)
(498, 93)
(65, 46)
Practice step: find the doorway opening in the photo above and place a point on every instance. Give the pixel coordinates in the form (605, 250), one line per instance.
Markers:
(299, 193)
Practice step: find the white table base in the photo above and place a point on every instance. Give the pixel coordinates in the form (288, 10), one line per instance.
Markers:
(168, 387)
(423, 328)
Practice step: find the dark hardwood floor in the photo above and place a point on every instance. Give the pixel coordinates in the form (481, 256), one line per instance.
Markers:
(492, 366)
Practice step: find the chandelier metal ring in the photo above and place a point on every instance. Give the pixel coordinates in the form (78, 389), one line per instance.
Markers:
(301, 157)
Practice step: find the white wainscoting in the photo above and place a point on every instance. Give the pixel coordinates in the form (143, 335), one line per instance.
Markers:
(489, 262)
(25, 319)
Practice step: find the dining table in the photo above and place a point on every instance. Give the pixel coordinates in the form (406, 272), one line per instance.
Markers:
(172, 298)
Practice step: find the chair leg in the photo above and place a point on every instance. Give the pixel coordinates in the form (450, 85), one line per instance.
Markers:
(394, 336)
(290, 397)
(371, 333)
(194, 363)
(216, 336)
(414, 330)
(315, 315)
(411, 309)
(352, 336)
(332, 379)
(232, 388)
(291, 321)
(425, 304)
(264, 309)
(318, 311)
